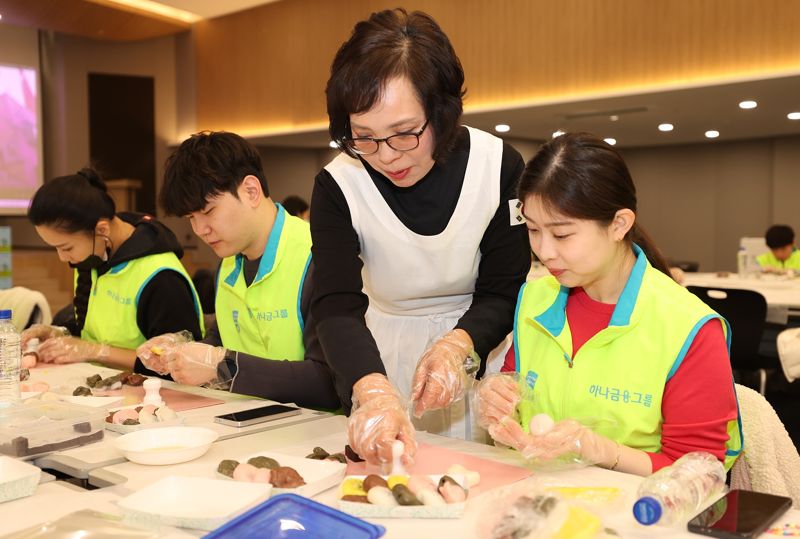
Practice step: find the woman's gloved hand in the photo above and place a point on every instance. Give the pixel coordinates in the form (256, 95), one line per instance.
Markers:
(154, 353)
(378, 418)
(496, 398)
(443, 374)
(195, 363)
(42, 332)
(71, 350)
(566, 437)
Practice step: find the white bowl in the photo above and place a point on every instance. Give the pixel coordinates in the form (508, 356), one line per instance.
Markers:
(17, 478)
(169, 445)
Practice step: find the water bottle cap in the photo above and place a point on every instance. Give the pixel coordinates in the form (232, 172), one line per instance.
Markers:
(647, 510)
(5, 314)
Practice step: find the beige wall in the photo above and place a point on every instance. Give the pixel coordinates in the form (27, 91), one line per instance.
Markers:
(697, 201)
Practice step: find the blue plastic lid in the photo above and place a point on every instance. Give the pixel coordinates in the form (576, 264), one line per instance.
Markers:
(292, 516)
(647, 510)
(5, 314)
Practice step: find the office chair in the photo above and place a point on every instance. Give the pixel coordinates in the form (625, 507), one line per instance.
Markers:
(746, 312)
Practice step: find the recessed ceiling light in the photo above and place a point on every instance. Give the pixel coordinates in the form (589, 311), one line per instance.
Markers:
(793, 115)
(611, 141)
(749, 104)
(665, 128)
(712, 133)
(613, 118)
(557, 133)
(333, 145)
(502, 128)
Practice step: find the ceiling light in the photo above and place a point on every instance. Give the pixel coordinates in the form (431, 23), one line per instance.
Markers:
(793, 115)
(557, 133)
(502, 128)
(613, 117)
(665, 128)
(333, 145)
(750, 104)
(610, 141)
(712, 133)
(1, 16)
(157, 8)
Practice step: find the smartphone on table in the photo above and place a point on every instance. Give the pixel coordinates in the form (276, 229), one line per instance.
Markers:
(246, 418)
(740, 513)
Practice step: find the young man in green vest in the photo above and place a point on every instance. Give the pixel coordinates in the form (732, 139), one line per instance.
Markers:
(782, 255)
(263, 342)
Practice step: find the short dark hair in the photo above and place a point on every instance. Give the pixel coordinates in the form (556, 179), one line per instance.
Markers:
(389, 44)
(72, 203)
(205, 165)
(583, 177)
(779, 236)
(294, 205)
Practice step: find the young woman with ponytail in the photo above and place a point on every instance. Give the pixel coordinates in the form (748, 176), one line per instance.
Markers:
(633, 369)
(129, 282)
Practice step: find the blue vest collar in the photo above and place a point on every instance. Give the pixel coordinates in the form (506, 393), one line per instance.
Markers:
(555, 317)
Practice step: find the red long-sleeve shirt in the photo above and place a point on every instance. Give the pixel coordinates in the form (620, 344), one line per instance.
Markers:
(699, 399)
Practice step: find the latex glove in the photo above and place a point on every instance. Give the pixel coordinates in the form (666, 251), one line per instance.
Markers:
(154, 353)
(441, 377)
(195, 363)
(72, 350)
(496, 398)
(379, 418)
(42, 332)
(567, 438)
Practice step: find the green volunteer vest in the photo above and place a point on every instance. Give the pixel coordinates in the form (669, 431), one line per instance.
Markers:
(264, 319)
(618, 382)
(114, 299)
(768, 260)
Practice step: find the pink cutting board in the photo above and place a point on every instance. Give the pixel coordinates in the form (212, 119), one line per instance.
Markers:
(432, 459)
(175, 399)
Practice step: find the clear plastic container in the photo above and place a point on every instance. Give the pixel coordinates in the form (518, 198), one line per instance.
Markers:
(676, 493)
(9, 360)
(741, 263)
(31, 429)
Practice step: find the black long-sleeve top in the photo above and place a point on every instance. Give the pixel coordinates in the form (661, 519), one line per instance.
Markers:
(308, 383)
(339, 303)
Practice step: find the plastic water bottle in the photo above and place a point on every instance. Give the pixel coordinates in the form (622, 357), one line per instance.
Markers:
(676, 493)
(9, 360)
(741, 262)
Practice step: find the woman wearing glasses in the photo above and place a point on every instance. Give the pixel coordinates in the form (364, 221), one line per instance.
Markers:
(418, 259)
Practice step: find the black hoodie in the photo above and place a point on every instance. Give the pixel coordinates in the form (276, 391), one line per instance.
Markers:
(166, 303)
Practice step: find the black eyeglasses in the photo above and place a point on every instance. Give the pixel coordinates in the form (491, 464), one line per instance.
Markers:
(401, 142)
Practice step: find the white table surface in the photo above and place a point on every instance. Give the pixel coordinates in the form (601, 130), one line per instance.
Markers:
(329, 433)
(79, 461)
(779, 291)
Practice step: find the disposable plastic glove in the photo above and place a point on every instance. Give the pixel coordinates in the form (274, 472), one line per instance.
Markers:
(71, 350)
(567, 438)
(443, 373)
(195, 363)
(42, 332)
(379, 418)
(154, 353)
(496, 398)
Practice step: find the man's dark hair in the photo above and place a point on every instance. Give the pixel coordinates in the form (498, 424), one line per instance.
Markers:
(779, 236)
(206, 165)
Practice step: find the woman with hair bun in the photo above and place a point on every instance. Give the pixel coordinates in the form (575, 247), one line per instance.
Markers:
(129, 282)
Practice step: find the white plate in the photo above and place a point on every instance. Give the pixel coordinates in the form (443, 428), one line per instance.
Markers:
(98, 402)
(169, 445)
(319, 475)
(17, 478)
(192, 502)
(367, 510)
